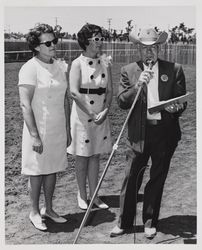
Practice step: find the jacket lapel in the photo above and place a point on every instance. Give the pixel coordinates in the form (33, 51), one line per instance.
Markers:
(165, 79)
(160, 85)
(140, 64)
(139, 70)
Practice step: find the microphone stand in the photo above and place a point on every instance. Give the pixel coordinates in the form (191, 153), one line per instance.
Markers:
(115, 147)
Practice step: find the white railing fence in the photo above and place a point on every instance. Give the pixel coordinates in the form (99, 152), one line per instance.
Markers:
(120, 52)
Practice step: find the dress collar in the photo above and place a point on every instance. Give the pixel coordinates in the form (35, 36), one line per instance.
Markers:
(90, 60)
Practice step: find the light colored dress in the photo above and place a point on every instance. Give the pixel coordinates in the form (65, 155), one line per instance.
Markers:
(48, 108)
(88, 138)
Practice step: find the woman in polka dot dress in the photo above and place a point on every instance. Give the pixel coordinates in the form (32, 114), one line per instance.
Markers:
(91, 90)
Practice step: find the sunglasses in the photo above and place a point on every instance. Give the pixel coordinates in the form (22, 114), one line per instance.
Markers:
(149, 47)
(96, 39)
(48, 43)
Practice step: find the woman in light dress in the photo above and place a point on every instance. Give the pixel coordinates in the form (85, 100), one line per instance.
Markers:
(91, 90)
(46, 131)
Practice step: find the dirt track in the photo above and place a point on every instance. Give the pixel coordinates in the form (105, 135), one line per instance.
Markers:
(178, 213)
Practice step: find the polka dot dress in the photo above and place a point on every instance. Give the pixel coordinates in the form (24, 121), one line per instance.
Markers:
(88, 138)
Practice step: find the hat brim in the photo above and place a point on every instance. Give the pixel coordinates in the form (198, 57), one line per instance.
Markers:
(160, 40)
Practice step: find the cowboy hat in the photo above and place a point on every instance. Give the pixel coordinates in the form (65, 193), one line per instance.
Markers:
(148, 37)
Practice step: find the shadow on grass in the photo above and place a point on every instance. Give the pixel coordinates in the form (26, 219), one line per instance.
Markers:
(113, 200)
(96, 217)
(180, 226)
(183, 226)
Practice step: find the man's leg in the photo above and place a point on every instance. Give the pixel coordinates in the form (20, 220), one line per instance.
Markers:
(168, 157)
(129, 191)
(161, 155)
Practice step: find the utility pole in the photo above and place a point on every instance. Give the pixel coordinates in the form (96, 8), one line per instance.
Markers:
(56, 21)
(109, 22)
(168, 27)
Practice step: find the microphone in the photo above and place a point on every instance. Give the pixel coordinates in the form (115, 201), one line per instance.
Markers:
(150, 64)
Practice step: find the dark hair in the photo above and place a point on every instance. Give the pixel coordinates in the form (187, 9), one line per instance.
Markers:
(34, 34)
(86, 32)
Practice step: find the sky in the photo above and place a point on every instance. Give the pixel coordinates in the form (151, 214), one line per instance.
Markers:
(72, 18)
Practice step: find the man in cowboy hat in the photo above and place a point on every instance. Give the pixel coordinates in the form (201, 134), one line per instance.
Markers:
(153, 135)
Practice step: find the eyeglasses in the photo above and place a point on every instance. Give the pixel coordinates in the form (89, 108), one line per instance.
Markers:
(48, 43)
(96, 39)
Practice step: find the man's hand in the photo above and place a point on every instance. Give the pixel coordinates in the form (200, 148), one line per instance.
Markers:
(173, 108)
(37, 145)
(145, 77)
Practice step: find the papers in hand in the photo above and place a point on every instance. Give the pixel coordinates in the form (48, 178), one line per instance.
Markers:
(163, 104)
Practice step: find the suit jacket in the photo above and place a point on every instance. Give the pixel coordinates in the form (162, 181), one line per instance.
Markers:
(171, 84)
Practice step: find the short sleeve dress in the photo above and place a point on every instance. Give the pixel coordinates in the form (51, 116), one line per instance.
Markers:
(88, 138)
(48, 108)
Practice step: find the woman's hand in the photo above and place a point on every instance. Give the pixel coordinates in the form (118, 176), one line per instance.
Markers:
(101, 117)
(37, 145)
(93, 116)
(173, 108)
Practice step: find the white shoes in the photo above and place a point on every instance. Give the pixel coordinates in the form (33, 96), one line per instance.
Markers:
(149, 231)
(82, 203)
(99, 203)
(116, 231)
(36, 220)
(58, 219)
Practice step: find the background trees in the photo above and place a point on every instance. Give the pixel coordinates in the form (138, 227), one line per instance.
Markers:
(177, 34)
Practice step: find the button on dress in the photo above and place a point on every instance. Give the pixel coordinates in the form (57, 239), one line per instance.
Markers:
(89, 138)
(48, 108)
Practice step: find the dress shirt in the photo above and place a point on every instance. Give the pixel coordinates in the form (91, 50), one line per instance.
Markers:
(152, 92)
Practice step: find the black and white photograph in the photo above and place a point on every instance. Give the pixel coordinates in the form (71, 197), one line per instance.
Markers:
(99, 123)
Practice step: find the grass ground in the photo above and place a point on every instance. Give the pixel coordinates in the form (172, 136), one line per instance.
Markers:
(178, 213)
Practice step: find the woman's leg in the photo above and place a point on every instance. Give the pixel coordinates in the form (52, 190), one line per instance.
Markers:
(93, 173)
(34, 185)
(49, 182)
(81, 168)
